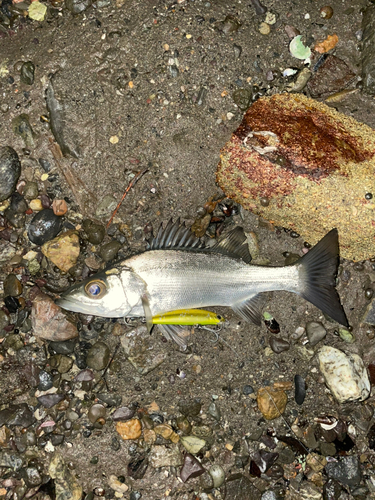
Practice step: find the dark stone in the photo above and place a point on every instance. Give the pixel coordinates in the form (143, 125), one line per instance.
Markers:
(190, 468)
(190, 408)
(14, 219)
(239, 487)
(109, 250)
(332, 76)
(45, 381)
(64, 347)
(123, 413)
(77, 6)
(264, 459)
(44, 226)
(17, 203)
(300, 389)
(279, 345)
(331, 490)
(10, 169)
(98, 356)
(17, 415)
(21, 126)
(50, 400)
(57, 439)
(31, 476)
(346, 471)
(45, 164)
(110, 399)
(371, 437)
(137, 467)
(10, 460)
(27, 72)
(242, 97)
(247, 390)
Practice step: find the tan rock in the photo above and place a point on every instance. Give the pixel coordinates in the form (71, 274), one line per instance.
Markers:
(36, 205)
(49, 321)
(149, 436)
(63, 250)
(59, 207)
(164, 430)
(303, 165)
(131, 429)
(271, 402)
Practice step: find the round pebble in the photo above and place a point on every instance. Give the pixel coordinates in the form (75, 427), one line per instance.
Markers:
(247, 390)
(59, 207)
(279, 345)
(30, 190)
(10, 169)
(44, 226)
(109, 250)
(12, 286)
(315, 332)
(95, 412)
(36, 205)
(98, 356)
(218, 475)
(27, 72)
(264, 29)
(131, 429)
(95, 232)
(300, 389)
(326, 12)
(214, 411)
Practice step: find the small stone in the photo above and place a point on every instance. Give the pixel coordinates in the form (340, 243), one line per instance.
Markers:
(59, 207)
(124, 413)
(137, 466)
(315, 332)
(36, 205)
(49, 321)
(164, 430)
(106, 206)
(191, 468)
(149, 436)
(346, 471)
(230, 25)
(131, 429)
(184, 425)
(63, 250)
(61, 363)
(95, 412)
(95, 232)
(248, 389)
(240, 487)
(200, 225)
(300, 389)
(218, 475)
(44, 226)
(45, 381)
(10, 169)
(316, 462)
(279, 345)
(344, 374)
(214, 411)
(162, 456)
(117, 485)
(141, 350)
(27, 72)
(346, 335)
(50, 400)
(190, 407)
(271, 402)
(109, 250)
(98, 356)
(192, 444)
(264, 29)
(77, 6)
(21, 126)
(331, 490)
(242, 98)
(66, 485)
(30, 190)
(19, 415)
(12, 286)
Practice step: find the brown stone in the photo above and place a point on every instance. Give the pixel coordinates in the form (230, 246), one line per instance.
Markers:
(63, 250)
(312, 164)
(131, 429)
(49, 321)
(271, 402)
(59, 207)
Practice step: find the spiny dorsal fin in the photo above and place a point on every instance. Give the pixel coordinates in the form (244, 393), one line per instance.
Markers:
(177, 236)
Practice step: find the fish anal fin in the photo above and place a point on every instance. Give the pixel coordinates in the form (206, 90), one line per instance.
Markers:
(250, 309)
(234, 244)
(178, 333)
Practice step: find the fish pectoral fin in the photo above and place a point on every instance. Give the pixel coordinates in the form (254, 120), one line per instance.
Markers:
(249, 309)
(178, 333)
(147, 311)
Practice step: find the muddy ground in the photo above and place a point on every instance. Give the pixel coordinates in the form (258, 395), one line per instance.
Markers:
(149, 84)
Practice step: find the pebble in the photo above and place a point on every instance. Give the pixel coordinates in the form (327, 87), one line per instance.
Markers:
(248, 389)
(27, 72)
(279, 345)
(315, 332)
(30, 190)
(346, 336)
(50, 400)
(95, 232)
(183, 424)
(124, 413)
(191, 468)
(49, 321)
(141, 350)
(192, 444)
(66, 485)
(117, 485)
(109, 250)
(161, 456)
(240, 487)
(77, 6)
(10, 169)
(190, 407)
(98, 356)
(271, 402)
(36, 205)
(214, 411)
(345, 374)
(21, 126)
(137, 466)
(66, 347)
(106, 206)
(331, 490)
(17, 203)
(63, 251)
(44, 226)
(242, 98)
(45, 381)
(131, 429)
(346, 471)
(4, 321)
(300, 389)
(18, 415)
(61, 363)
(217, 474)
(12, 286)
(264, 29)
(230, 25)
(96, 411)
(59, 207)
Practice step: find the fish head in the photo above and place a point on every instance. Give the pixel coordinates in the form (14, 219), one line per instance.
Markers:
(100, 295)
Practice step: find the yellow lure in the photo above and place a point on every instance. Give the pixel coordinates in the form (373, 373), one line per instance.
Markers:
(187, 317)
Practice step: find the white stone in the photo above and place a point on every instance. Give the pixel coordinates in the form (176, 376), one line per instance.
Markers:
(344, 374)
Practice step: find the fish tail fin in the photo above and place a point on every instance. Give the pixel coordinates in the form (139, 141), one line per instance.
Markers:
(318, 277)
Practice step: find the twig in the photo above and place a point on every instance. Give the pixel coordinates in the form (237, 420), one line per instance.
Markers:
(132, 183)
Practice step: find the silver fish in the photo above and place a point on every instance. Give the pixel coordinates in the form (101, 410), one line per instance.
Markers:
(178, 272)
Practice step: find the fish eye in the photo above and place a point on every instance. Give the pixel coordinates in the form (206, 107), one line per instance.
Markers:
(95, 289)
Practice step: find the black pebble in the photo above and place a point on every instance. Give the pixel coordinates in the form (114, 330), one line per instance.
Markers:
(44, 227)
(12, 304)
(300, 389)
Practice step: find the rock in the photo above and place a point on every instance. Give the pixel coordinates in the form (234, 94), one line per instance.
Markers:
(191, 468)
(95, 232)
(313, 174)
(344, 374)
(279, 345)
(242, 97)
(117, 485)
(131, 429)
(59, 207)
(106, 206)
(7, 251)
(31, 476)
(217, 474)
(347, 471)
(19, 415)
(141, 350)
(190, 407)
(109, 250)
(12, 286)
(192, 444)
(44, 226)
(331, 490)
(21, 126)
(271, 402)
(30, 190)
(161, 456)
(214, 411)
(98, 356)
(368, 45)
(66, 485)
(315, 332)
(50, 400)
(331, 76)
(36, 205)
(27, 72)
(239, 487)
(10, 169)
(78, 6)
(369, 315)
(61, 363)
(123, 413)
(45, 381)
(230, 25)
(11, 460)
(49, 321)
(63, 250)
(137, 466)
(96, 411)
(300, 389)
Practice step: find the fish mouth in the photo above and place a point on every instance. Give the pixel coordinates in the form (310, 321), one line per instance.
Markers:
(72, 305)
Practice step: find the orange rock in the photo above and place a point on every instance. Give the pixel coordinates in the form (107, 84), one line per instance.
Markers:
(271, 402)
(59, 207)
(328, 44)
(131, 429)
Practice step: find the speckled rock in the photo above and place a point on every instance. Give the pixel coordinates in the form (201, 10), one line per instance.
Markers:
(313, 164)
(10, 169)
(131, 429)
(63, 250)
(49, 321)
(162, 456)
(66, 485)
(344, 374)
(141, 350)
(98, 356)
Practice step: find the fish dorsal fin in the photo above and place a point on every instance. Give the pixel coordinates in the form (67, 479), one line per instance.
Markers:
(234, 244)
(173, 236)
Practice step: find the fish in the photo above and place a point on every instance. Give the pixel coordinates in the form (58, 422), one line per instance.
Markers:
(178, 271)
